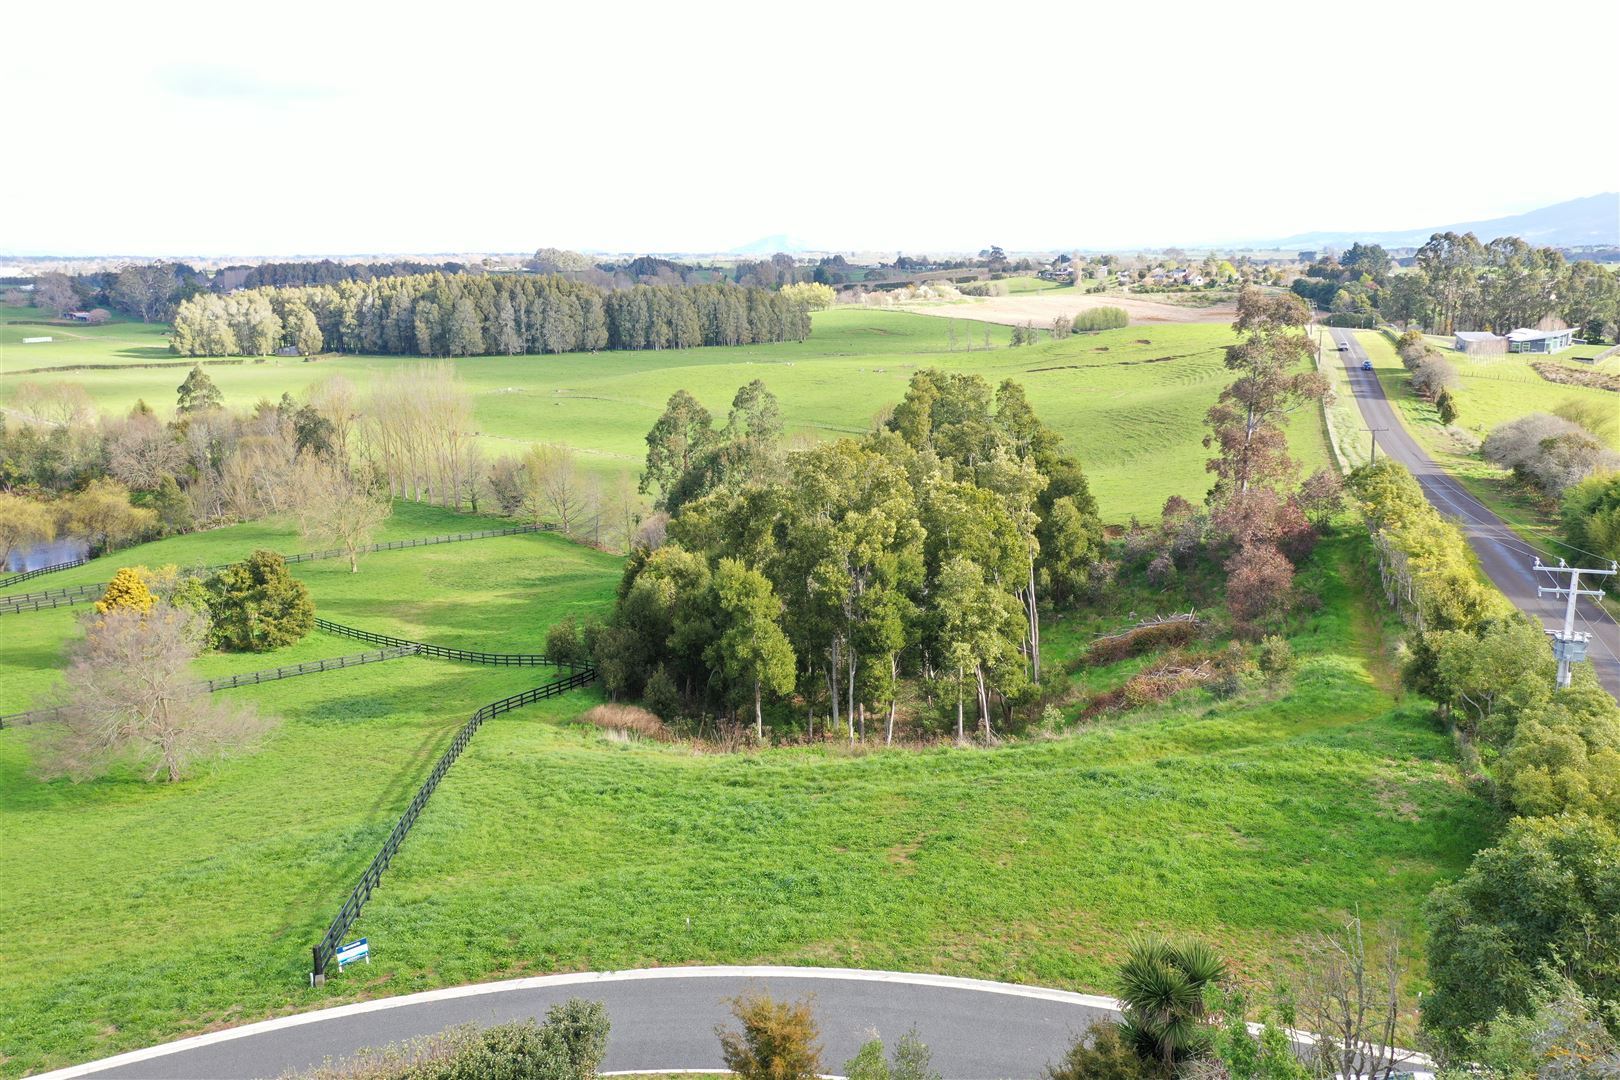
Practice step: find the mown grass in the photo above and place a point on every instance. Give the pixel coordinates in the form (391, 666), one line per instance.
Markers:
(142, 912)
(1130, 402)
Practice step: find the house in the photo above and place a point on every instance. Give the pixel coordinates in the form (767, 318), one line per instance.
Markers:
(1524, 340)
(76, 316)
(1479, 343)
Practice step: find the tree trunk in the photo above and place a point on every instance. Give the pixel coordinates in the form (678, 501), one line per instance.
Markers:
(894, 678)
(959, 677)
(759, 717)
(984, 701)
(1034, 623)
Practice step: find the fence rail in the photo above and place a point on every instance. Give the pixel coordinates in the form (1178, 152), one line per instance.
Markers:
(469, 656)
(95, 589)
(246, 678)
(11, 607)
(14, 579)
(322, 953)
(307, 556)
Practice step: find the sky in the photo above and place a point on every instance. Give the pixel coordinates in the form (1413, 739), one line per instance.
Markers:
(353, 127)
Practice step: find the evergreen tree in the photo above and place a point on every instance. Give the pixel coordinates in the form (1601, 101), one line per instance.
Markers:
(197, 393)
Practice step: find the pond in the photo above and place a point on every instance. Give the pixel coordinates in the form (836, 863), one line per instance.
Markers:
(62, 549)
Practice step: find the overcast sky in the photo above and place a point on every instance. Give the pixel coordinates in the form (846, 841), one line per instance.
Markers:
(347, 127)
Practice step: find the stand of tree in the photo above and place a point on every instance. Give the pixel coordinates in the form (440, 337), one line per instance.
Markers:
(466, 315)
(922, 551)
(1458, 283)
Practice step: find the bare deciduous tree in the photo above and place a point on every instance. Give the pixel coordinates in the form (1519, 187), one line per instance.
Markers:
(1350, 999)
(141, 452)
(553, 487)
(131, 697)
(340, 507)
(334, 397)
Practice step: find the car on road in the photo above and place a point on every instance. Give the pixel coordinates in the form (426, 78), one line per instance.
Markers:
(1344, 346)
(1366, 365)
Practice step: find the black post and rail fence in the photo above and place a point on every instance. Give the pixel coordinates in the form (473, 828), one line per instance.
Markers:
(73, 594)
(246, 678)
(322, 953)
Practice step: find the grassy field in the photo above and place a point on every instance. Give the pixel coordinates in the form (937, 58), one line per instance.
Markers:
(142, 912)
(1490, 391)
(498, 594)
(1129, 402)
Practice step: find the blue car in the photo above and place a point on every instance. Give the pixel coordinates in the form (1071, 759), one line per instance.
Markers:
(1366, 365)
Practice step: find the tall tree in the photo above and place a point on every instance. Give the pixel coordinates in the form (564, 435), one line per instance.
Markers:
(683, 432)
(751, 650)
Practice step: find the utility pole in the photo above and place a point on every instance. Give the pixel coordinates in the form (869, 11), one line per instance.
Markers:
(1569, 645)
(1373, 431)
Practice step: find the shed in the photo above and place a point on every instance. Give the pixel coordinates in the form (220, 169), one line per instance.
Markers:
(1480, 343)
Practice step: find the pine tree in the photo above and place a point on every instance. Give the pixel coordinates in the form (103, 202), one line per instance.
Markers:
(198, 393)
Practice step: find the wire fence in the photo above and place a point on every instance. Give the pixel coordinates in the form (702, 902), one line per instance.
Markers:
(247, 678)
(322, 953)
(307, 556)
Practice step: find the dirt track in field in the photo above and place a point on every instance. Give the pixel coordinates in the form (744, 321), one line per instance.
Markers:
(1042, 308)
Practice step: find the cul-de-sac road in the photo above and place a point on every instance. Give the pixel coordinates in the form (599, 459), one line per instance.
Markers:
(664, 1020)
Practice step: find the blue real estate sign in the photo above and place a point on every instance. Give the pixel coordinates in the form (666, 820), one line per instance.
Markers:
(352, 952)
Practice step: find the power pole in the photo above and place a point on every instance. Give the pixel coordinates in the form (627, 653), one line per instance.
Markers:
(1569, 645)
(1373, 431)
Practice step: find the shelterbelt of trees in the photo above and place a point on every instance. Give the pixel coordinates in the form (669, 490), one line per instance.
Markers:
(467, 315)
(1458, 283)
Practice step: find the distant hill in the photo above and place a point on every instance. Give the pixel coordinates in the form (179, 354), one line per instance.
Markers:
(1592, 220)
(770, 245)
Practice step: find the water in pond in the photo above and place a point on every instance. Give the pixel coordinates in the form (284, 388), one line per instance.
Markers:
(62, 549)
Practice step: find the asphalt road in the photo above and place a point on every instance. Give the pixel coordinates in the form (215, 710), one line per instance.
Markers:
(664, 1019)
(1506, 558)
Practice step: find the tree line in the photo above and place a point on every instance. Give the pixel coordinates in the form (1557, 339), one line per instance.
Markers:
(1458, 283)
(1533, 920)
(477, 315)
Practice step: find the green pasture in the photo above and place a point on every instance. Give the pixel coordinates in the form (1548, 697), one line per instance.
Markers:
(1129, 402)
(141, 912)
(1490, 391)
(498, 594)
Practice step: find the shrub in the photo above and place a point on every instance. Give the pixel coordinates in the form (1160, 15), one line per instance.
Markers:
(1591, 515)
(911, 1061)
(570, 1045)
(1547, 894)
(1259, 581)
(660, 693)
(1445, 403)
(1433, 376)
(127, 590)
(1102, 1053)
(564, 643)
(1162, 570)
(778, 1040)
(1101, 318)
(1548, 451)
(1276, 657)
(256, 605)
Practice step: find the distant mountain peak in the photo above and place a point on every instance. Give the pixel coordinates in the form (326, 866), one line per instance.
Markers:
(770, 245)
(1592, 220)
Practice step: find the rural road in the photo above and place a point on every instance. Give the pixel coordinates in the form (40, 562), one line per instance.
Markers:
(1506, 558)
(663, 1019)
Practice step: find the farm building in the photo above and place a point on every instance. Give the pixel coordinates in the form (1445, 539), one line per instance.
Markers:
(1540, 341)
(1480, 343)
(1522, 340)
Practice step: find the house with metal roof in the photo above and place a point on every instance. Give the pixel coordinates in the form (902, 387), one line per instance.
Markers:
(1524, 340)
